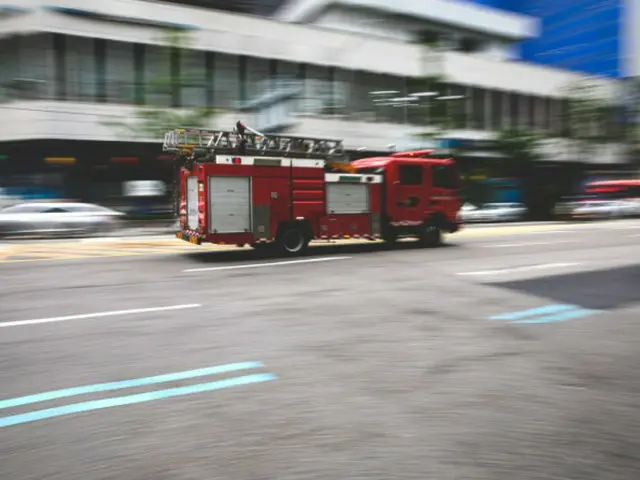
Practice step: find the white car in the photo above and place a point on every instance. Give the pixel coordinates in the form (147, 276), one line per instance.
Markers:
(628, 208)
(494, 212)
(57, 218)
(601, 209)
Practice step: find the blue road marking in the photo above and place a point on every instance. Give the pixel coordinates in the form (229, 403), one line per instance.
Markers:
(561, 317)
(533, 312)
(137, 382)
(132, 399)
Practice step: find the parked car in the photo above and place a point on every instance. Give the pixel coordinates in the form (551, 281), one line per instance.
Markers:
(563, 210)
(629, 208)
(50, 218)
(603, 209)
(493, 212)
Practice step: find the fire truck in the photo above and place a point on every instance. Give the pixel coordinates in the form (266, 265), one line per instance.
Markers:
(241, 187)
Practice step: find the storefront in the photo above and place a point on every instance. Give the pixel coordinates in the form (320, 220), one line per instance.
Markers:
(89, 171)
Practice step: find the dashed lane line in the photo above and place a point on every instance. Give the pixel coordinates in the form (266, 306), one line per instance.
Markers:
(527, 268)
(86, 316)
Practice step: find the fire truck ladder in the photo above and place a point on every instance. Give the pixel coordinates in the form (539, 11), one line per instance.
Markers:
(204, 144)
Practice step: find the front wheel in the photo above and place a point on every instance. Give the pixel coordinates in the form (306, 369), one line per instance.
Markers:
(292, 242)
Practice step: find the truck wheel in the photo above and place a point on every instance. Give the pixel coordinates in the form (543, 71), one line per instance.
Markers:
(390, 237)
(431, 236)
(292, 241)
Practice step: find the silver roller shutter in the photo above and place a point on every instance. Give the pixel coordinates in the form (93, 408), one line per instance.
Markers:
(345, 198)
(192, 203)
(229, 204)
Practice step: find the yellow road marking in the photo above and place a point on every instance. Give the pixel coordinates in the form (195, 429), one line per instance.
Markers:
(46, 251)
(44, 255)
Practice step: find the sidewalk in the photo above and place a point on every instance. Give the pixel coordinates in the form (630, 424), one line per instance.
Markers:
(147, 227)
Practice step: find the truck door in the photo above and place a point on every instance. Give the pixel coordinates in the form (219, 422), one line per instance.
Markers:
(271, 204)
(445, 197)
(407, 195)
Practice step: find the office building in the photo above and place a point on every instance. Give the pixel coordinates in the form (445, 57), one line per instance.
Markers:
(71, 69)
(598, 37)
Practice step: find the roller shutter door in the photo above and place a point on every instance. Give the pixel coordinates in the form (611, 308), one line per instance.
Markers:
(345, 198)
(229, 204)
(192, 203)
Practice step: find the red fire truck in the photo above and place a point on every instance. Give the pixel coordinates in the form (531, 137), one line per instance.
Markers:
(240, 187)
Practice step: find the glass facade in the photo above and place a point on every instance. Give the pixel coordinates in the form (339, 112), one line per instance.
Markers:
(66, 68)
(579, 35)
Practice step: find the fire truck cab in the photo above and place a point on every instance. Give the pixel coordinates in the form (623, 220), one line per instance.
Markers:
(240, 187)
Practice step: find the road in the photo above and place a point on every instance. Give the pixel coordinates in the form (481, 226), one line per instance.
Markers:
(510, 353)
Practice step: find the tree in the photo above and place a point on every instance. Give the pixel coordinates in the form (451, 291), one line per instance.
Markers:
(590, 118)
(520, 150)
(632, 119)
(434, 107)
(154, 117)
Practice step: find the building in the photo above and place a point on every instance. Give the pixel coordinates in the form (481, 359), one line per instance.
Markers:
(73, 68)
(598, 37)
(252, 7)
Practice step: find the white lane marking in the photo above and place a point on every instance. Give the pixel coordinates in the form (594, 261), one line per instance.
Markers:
(635, 235)
(616, 227)
(83, 316)
(528, 244)
(546, 232)
(521, 269)
(259, 265)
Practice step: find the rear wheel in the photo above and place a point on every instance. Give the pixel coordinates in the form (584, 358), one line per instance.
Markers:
(292, 241)
(431, 236)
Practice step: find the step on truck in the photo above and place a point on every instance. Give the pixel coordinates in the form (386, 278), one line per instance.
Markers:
(240, 187)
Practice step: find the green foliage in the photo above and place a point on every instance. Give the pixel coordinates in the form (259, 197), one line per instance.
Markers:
(521, 150)
(153, 119)
(154, 122)
(519, 143)
(590, 117)
(437, 111)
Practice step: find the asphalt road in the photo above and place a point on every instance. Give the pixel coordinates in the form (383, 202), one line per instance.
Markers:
(365, 362)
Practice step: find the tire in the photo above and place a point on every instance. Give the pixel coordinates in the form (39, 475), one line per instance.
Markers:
(390, 237)
(292, 241)
(431, 236)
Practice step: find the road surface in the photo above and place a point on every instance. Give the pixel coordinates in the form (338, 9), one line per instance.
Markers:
(511, 353)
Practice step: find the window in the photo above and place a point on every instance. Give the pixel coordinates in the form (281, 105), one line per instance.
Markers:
(410, 175)
(478, 110)
(444, 176)
(497, 109)
(514, 111)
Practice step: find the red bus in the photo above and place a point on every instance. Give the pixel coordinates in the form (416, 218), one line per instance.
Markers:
(613, 190)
